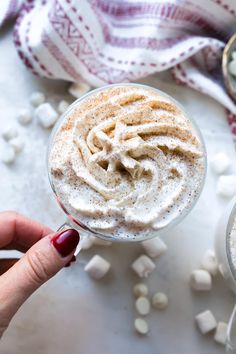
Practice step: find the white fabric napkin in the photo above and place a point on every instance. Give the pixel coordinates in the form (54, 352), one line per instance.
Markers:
(106, 41)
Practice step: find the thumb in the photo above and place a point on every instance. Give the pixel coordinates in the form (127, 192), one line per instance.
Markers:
(40, 263)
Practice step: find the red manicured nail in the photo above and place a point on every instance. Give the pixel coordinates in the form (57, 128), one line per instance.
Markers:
(66, 241)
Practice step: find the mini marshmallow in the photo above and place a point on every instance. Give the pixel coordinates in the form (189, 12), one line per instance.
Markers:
(9, 133)
(143, 266)
(37, 98)
(86, 243)
(221, 333)
(154, 247)
(97, 267)
(206, 322)
(62, 106)
(220, 163)
(100, 242)
(232, 67)
(17, 144)
(8, 155)
(46, 115)
(142, 305)
(209, 262)
(159, 301)
(200, 280)
(141, 326)
(140, 290)
(226, 186)
(24, 117)
(78, 89)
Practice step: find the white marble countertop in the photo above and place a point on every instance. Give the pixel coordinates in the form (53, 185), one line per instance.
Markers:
(71, 313)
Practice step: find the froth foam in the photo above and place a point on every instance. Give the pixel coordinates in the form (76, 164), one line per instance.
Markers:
(126, 161)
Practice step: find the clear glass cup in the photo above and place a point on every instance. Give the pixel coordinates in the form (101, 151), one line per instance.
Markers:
(71, 220)
(226, 264)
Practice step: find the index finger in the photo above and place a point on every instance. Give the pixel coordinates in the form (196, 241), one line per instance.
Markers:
(19, 232)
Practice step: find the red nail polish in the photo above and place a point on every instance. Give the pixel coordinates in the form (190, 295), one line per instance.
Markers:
(66, 241)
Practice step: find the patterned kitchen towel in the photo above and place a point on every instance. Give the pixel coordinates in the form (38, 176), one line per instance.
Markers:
(107, 41)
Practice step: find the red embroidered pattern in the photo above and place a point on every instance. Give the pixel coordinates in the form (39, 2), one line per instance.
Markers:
(78, 44)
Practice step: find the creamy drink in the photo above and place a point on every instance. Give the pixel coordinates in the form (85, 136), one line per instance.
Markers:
(225, 244)
(126, 161)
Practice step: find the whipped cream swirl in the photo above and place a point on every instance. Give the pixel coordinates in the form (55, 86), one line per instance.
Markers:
(127, 161)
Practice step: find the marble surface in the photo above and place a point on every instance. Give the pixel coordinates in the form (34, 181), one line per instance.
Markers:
(73, 314)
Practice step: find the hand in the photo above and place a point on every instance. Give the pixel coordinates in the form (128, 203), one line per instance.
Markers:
(46, 253)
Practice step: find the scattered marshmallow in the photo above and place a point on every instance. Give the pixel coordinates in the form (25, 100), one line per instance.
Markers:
(62, 106)
(17, 144)
(97, 267)
(209, 262)
(8, 156)
(140, 289)
(141, 326)
(86, 243)
(37, 98)
(232, 67)
(221, 333)
(100, 242)
(220, 163)
(142, 305)
(78, 89)
(200, 280)
(9, 133)
(226, 186)
(143, 266)
(24, 117)
(206, 321)
(159, 301)
(154, 247)
(46, 115)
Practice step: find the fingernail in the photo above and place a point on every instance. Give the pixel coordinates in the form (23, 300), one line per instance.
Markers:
(73, 259)
(66, 241)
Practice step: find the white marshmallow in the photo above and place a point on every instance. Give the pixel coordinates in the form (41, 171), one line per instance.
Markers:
(206, 321)
(46, 115)
(209, 262)
(97, 267)
(143, 266)
(24, 116)
(232, 67)
(9, 133)
(140, 289)
(200, 280)
(141, 326)
(221, 333)
(78, 89)
(142, 305)
(37, 98)
(154, 247)
(226, 186)
(86, 243)
(17, 144)
(233, 54)
(62, 106)
(220, 163)
(8, 155)
(159, 301)
(100, 242)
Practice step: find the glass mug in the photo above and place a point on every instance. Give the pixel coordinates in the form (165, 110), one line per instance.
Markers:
(226, 264)
(71, 220)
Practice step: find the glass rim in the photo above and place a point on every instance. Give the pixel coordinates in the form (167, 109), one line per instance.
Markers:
(231, 219)
(173, 222)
